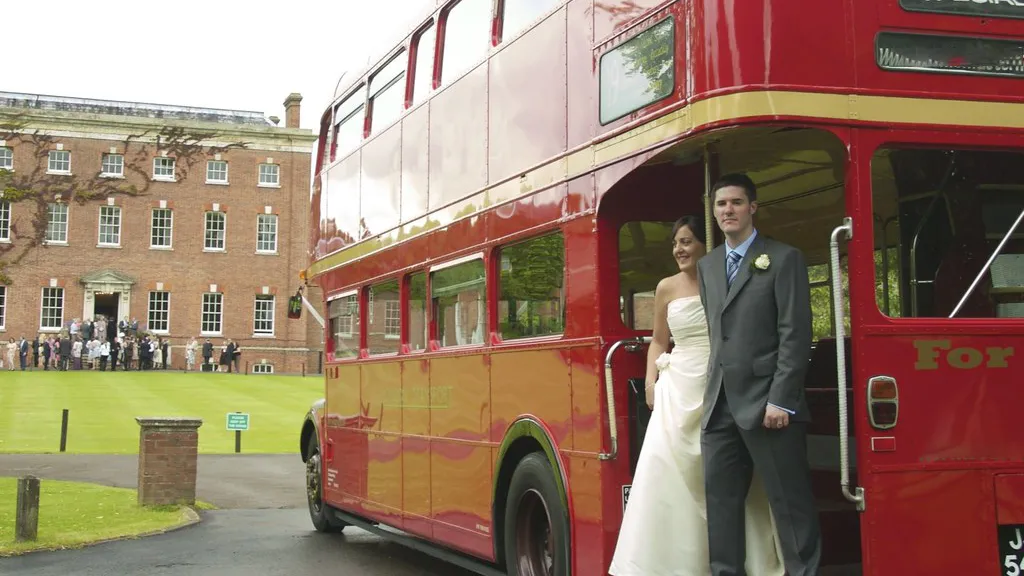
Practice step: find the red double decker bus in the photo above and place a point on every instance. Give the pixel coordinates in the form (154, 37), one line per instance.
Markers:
(491, 214)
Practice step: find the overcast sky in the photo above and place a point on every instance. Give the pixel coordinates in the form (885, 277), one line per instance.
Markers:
(237, 54)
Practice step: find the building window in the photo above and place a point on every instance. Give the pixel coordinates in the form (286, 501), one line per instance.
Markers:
(266, 233)
(423, 67)
(59, 162)
(51, 315)
(467, 37)
(57, 224)
(162, 228)
(159, 312)
(213, 309)
(460, 301)
(384, 303)
(6, 158)
(216, 172)
(270, 175)
(343, 315)
(5, 221)
(163, 169)
(263, 316)
(216, 225)
(262, 368)
(110, 226)
(113, 165)
(3, 307)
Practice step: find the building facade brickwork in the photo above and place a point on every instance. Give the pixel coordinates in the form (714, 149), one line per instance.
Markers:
(210, 246)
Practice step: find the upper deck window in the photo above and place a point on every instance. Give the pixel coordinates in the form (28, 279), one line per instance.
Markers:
(387, 93)
(518, 15)
(348, 119)
(423, 67)
(639, 72)
(467, 37)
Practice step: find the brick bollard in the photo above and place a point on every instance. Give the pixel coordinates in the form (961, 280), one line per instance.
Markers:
(168, 449)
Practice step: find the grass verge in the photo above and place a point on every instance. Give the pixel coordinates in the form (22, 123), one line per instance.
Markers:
(103, 406)
(73, 514)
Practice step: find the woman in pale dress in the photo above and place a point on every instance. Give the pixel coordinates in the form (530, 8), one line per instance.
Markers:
(664, 528)
(190, 354)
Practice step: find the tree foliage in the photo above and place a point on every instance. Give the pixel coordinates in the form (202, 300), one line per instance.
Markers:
(30, 183)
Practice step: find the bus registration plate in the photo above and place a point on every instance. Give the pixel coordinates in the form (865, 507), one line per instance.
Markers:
(1011, 549)
(625, 496)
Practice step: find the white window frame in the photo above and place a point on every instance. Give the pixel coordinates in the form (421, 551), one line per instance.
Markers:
(262, 368)
(211, 172)
(223, 231)
(210, 301)
(112, 160)
(66, 210)
(153, 228)
(6, 158)
(5, 221)
(263, 177)
(392, 312)
(163, 168)
(3, 307)
(114, 212)
(257, 320)
(58, 158)
(166, 312)
(55, 293)
(270, 220)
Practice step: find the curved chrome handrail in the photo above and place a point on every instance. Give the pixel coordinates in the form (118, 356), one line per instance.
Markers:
(609, 390)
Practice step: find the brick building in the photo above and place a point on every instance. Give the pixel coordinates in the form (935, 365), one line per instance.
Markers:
(208, 241)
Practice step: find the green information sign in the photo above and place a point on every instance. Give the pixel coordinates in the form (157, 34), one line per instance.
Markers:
(238, 421)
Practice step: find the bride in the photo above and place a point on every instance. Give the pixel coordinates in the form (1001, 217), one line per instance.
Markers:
(664, 528)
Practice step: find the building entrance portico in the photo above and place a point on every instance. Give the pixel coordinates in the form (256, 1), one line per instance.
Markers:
(107, 293)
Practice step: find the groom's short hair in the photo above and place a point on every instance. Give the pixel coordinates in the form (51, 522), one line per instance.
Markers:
(738, 179)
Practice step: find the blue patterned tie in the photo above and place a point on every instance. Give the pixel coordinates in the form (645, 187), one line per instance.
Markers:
(732, 266)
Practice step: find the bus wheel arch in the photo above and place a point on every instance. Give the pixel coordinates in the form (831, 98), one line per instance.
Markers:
(529, 466)
(308, 431)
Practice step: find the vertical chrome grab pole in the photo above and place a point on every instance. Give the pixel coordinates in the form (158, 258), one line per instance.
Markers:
(632, 345)
(857, 496)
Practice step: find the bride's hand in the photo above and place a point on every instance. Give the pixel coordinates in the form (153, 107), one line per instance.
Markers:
(649, 394)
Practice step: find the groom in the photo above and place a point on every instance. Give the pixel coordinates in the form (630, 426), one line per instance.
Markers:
(757, 300)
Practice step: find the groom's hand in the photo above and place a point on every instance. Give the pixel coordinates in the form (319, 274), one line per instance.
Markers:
(775, 418)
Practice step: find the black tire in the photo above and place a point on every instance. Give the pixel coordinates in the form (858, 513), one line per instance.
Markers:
(536, 523)
(322, 519)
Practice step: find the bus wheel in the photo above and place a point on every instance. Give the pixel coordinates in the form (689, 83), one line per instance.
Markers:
(536, 524)
(318, 513)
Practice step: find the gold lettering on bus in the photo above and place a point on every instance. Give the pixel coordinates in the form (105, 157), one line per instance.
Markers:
(931, 352)
(421, 397)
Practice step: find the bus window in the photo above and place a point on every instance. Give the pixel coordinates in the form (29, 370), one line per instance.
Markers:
(387, 93)
(416, 313)
(348, 122)
(532, 288)
(940, 215)
(467, 37)
(343, 314)
(460, 303)
(645, 257)
(423, 65)
(518, 15)
(639, 72)
(383, 324)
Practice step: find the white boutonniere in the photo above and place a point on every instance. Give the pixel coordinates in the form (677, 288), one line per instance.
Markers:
(762, 262)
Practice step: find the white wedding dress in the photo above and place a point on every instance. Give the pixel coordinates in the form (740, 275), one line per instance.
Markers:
(664, 529)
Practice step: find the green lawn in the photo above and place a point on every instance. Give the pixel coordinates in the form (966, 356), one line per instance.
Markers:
(72, 514)
(103, 407)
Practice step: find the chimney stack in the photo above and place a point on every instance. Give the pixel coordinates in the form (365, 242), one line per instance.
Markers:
(291, 110)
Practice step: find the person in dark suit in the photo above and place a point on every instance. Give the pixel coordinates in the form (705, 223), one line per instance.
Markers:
(207, 352)
(756, 297)
(23, 353)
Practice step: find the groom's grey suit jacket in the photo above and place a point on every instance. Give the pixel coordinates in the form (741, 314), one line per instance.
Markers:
(760, 332)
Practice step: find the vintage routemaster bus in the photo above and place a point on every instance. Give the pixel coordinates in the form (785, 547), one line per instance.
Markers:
(491, 214)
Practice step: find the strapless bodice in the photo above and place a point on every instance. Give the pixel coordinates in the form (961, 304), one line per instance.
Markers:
(687, 323)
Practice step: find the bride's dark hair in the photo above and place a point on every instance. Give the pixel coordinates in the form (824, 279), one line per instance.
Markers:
(695, 224)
